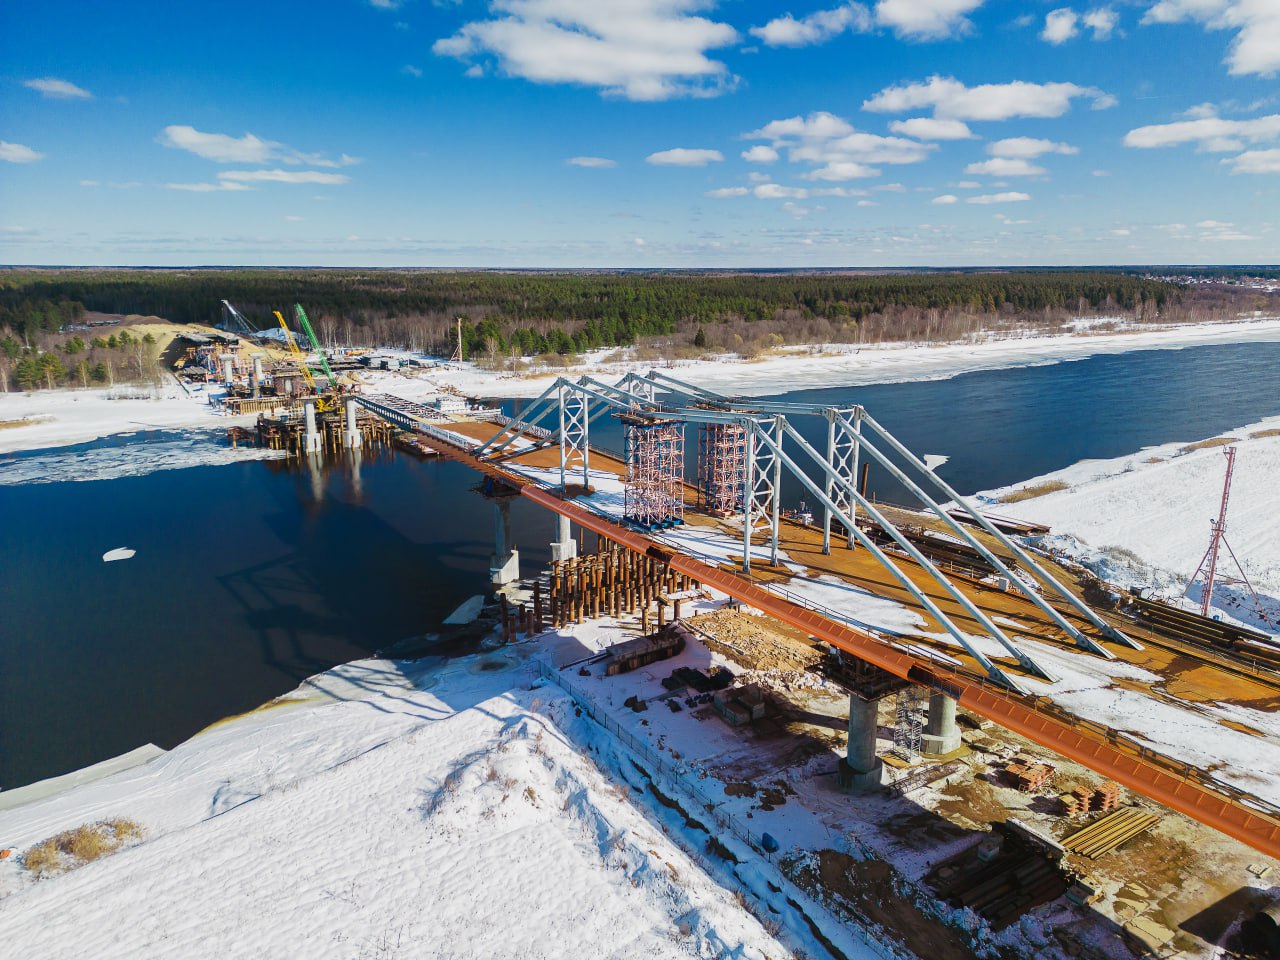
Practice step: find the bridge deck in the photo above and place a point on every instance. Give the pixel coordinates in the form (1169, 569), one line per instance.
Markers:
(1181, 682)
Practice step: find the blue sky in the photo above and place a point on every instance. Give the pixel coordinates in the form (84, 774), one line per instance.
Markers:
(640, 132)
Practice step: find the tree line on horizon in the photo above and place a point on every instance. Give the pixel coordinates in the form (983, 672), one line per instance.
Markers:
(531, 313)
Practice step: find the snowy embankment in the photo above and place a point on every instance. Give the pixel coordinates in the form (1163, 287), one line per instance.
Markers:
(844, 365)
(385, 819)
(1143, 519)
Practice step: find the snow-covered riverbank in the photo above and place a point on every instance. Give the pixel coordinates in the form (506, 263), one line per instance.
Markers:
(45, 418)
(1143, 519)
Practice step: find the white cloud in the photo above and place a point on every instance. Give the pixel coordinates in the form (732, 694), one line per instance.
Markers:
(1028, 148)
(684, 157)
(932, 128)
(1255, 161)
(867, 203)
(410, 70)
(946, 198)
(281, 176)
(90, 183)
(1219, 230)
(776, 191)
(592, 163)
(837, 150)
(724, 193)
(18, 153)
(1004, 167)
(1102, 21)
(1256, 47)
(223, 148)
(1121, 232)
(1212, 134)
(640, 49)
(951, 99)
(999, 198)
(207, 187)
(796, 210)
(51, 88)
(926, 19)
(818, 27)
(1059, 26)
(760, 153)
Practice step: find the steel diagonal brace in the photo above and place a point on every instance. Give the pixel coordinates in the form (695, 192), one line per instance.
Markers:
(1107, 629)
(674, 385)
(965, 603)
(1081, 639)
(993, 671)
(526, 418)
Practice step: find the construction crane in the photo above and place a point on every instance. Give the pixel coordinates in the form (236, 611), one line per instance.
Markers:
(315, 343)
(322, 403)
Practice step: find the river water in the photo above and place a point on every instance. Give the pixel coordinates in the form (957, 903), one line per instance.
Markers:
(252, 575)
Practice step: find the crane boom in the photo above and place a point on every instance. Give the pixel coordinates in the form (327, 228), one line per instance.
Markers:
(295, 351)
(315, 343)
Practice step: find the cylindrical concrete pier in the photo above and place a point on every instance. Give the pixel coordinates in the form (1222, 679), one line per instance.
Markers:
(352, 433)
(941, 735)
(313, 434)
(862, 769)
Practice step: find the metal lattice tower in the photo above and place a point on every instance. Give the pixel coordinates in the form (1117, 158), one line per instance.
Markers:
(722, 464)
(909, 723)
(575, 449)
(842, 455)
(654, 482)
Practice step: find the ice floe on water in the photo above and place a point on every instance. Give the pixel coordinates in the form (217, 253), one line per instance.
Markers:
(119, 553)
(134, 459)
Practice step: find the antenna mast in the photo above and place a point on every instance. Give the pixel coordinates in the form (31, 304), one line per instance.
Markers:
(1217, 540)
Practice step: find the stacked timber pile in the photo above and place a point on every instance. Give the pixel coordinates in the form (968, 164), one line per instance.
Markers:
(1028, 775)
(1102, 799)
(1110, 832)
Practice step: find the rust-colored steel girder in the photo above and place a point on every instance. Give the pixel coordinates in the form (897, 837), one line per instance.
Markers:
(1178, 787)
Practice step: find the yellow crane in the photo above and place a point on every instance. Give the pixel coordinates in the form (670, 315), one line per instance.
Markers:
(323, 403)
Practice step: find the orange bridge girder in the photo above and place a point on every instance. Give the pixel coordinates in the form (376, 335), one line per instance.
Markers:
(1176, 785)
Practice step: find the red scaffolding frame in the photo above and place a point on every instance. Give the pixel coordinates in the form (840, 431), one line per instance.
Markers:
(654, 482)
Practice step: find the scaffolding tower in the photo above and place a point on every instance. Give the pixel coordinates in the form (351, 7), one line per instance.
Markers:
(654, 481)
(909, 723)
(722, 467)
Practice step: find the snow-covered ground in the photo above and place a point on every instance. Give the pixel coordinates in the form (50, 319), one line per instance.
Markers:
(835, 365)
(1143, 519)
(412, 812)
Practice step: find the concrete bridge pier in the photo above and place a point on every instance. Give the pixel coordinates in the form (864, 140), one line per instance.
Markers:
(313, 433)
(504, 568)
(351, 435)
(941, 735)
(228, 368)
(257, 376)
(564, 547)
(861, 770)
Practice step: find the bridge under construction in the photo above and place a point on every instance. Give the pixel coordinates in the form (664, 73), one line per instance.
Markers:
(995, 631)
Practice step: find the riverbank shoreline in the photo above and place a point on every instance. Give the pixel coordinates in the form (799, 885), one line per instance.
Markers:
(52, 418)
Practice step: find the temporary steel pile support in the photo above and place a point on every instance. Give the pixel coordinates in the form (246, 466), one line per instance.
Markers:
(654, 481)
(722, 464)
(613, 581)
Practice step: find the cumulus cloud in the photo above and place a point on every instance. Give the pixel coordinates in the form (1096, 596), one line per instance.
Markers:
(223, 148)
(932, 128)
(1004, 167)
(776, 191)
(951, 99)
(1028, 148)
(18, 153)
(926, 19)
(1102, 21)
(1010, 197)
(1256, 47)
(640, 50)
(945, 199)
(281, 176)
(207, 187)
(1255, 161)
(684, 157)
(592, 163)
(835, 148)
(818, 27)
(1210, 134)
(52, 88)
(1059, 26)
(760, 153)
(724, 193)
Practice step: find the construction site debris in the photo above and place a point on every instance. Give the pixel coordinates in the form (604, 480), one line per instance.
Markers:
(642, 651)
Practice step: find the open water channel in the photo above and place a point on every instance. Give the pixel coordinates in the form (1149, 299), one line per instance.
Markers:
(251, 576)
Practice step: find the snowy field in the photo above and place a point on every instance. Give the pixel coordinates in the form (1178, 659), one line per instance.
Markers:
(385, 820)
(1144, 518)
